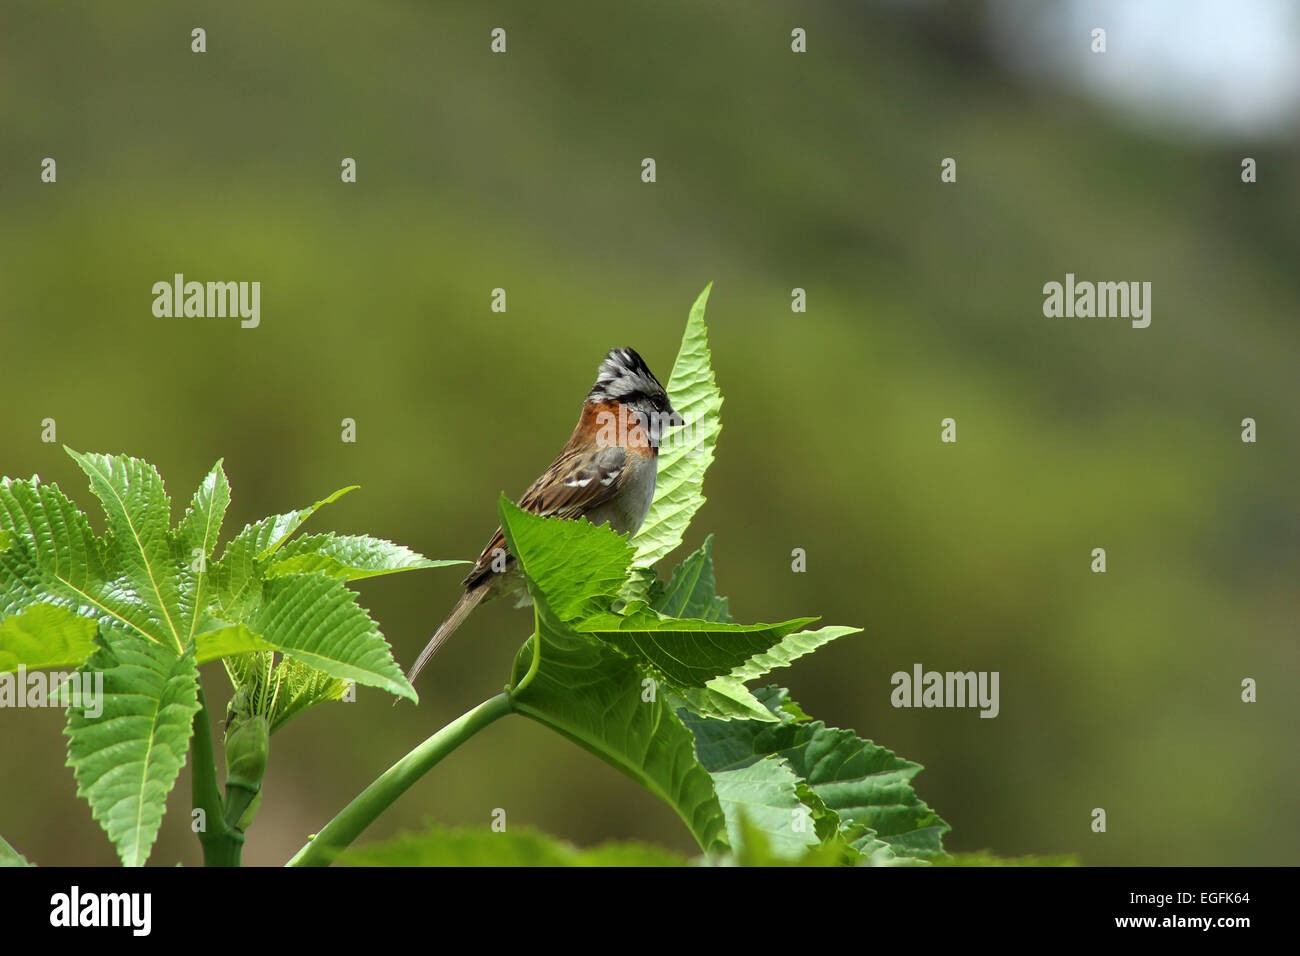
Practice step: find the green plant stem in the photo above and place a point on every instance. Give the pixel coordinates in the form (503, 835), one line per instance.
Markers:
(222, 846)
(396, 780)
(238, 799)
(537, 655)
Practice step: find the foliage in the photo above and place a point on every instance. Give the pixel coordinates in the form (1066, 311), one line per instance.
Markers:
(447, 846)
(651, 677)
(147, 602)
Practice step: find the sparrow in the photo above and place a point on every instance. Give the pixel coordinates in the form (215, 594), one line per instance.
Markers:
(605, 473)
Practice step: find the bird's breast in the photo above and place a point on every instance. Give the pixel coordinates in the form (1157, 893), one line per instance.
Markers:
(628, 509)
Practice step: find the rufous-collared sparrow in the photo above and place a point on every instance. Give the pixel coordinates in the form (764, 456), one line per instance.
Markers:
(606, 474)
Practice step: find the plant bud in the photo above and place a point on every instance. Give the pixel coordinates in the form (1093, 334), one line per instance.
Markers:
(248, 741)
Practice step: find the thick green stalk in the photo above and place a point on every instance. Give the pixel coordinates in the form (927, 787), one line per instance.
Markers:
(221, 845)
(537, 655)
(396, 780)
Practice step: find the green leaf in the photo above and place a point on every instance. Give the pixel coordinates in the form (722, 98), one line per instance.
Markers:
(300, 687)
(11, 857)
(691, 592)
(252, 676)
(54, 558)
(127, 756)
(688, 653)
(225, 641)
(519, 846)
(724, 698)
(693, 588)
(580, 567)
(758, 849)
(594, 696)
(198, 532)
(687, 453)
(863, 783)
(138, 514)
(238, 576)
(45, 635)
(280, 690)
(317, 620)
(987, 858)
(202, 522)
(825, 820)
(349, 557)
(158, 611)
(642, 586)
(766, 793)
(789, 649)
(727, 697)
(267, 536)
(872, 851)
(853, 843)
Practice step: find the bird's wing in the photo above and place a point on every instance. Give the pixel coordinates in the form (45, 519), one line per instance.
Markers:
(576, 482)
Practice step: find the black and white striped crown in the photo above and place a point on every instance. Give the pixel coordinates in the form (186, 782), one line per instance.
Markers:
(624, 377)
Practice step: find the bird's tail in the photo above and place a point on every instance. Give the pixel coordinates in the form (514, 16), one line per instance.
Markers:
(469, 600)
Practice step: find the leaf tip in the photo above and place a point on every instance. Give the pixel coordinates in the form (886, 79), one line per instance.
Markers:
(701, 301)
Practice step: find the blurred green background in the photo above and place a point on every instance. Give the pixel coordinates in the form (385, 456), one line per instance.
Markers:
(775, 171)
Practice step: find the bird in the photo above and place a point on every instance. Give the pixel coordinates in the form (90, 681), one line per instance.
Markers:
(605, 473)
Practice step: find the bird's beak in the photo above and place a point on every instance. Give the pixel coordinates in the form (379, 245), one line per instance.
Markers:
(674, 419)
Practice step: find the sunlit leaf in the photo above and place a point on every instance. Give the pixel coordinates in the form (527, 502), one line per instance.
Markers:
(45, 635)
(688, 451)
